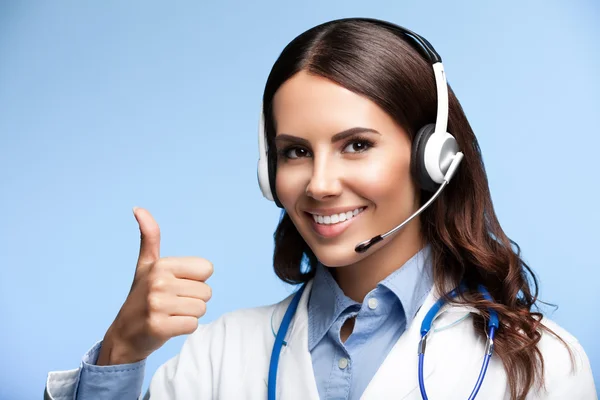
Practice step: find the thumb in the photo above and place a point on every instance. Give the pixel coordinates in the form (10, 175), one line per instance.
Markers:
(149, 237)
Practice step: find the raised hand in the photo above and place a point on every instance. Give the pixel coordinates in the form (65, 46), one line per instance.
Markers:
(167, 297)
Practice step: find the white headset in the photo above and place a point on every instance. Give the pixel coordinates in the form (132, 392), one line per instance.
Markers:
(433, 149)
(263, 164)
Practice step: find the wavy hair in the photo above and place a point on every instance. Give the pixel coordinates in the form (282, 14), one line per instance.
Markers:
(467, 242)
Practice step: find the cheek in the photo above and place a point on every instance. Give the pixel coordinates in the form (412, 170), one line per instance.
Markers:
(289, 185)
(387, 181)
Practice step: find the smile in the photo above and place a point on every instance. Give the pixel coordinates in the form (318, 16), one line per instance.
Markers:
(336, 218)
(333, 224)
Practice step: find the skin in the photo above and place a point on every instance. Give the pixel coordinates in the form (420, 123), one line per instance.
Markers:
(315, 174)
(167, 297)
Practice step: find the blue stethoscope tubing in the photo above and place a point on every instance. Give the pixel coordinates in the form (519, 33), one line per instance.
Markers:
(493, 324)
(279, 341)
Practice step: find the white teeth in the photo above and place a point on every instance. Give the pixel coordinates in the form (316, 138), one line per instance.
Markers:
(336, 218)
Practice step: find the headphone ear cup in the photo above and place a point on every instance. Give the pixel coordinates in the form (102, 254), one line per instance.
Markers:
(262, 172)
(267, 165)
(272, 165)
(417, 160)
(263, 179)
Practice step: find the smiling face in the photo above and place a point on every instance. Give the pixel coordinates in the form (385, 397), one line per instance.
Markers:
(343, 171)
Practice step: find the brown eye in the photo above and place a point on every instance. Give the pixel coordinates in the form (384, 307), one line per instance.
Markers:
(295, 152)
(357, 146)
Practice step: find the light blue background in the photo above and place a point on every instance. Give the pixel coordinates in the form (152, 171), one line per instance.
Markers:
(108, 105)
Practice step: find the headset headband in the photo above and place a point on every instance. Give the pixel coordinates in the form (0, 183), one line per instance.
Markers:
(437, 145)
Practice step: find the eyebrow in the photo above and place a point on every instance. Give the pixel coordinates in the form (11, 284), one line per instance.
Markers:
(335, 138)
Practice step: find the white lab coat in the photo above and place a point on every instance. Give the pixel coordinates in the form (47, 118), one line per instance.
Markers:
(228, 359)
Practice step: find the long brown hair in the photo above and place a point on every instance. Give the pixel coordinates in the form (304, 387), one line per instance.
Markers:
(467, 242)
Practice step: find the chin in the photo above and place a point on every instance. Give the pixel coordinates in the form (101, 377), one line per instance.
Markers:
(339, 255)
(332, 251)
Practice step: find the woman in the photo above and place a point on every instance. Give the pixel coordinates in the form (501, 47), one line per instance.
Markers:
(353, 154)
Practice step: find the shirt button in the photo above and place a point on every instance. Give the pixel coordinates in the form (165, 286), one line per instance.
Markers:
(343, 363)
(373, 303)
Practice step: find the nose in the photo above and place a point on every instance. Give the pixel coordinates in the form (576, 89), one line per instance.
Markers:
(325, 182)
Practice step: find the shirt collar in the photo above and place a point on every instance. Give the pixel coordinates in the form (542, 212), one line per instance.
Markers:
(410, 284)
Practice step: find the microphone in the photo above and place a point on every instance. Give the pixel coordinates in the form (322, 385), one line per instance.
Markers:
(364, 246)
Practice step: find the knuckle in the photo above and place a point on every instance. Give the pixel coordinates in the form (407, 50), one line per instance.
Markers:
(154, 303)
(162, 264)
(156, 266)
(158, 284)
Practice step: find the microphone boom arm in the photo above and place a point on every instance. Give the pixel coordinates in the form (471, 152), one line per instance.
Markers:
(364, 246)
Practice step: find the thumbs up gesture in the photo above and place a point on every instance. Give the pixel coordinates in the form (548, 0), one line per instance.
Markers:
(167, 297)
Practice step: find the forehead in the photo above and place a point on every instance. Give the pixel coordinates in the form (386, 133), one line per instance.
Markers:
(311, 103)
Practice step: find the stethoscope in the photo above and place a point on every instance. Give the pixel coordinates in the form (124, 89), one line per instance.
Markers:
(492, 326)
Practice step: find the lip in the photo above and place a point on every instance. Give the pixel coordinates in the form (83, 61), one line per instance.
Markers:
(331, 231)
(331, 211)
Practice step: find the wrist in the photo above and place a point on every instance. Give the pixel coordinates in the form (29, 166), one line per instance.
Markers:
(115, 352)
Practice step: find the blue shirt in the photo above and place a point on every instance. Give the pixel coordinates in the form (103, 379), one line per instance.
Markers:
(109, 381)
(342, 370)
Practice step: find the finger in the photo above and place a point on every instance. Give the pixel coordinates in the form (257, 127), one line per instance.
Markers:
(181, 325)
(186, 306)
(194, 268)
(149, 236)
(192, 289)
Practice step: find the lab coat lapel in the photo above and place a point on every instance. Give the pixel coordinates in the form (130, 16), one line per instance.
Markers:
(452, 358)
(397, 376)
(458, 355)
(295, 376)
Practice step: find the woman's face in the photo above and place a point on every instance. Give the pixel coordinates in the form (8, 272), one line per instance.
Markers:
(343, 167)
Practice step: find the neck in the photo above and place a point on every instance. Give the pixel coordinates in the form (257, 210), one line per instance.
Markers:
(357, 280)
